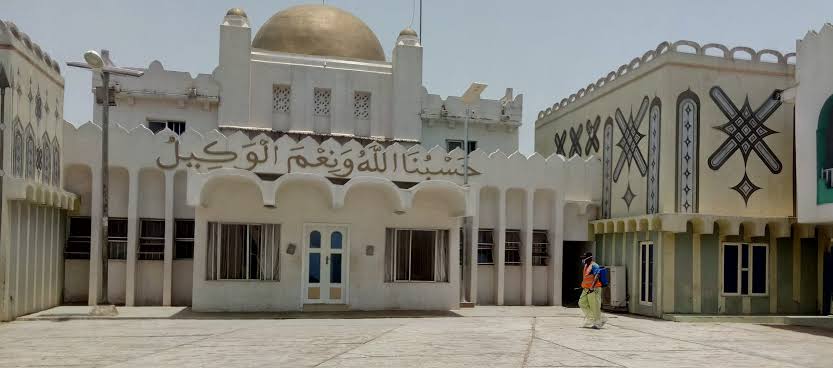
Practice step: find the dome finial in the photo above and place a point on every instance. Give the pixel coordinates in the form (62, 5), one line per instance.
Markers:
(236, 12)
(408, 32)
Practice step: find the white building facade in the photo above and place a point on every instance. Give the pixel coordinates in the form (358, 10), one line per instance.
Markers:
(308, 171)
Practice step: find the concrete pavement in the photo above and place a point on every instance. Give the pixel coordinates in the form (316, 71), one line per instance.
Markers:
(479, 337)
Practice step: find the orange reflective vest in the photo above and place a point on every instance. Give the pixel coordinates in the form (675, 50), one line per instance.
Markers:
(587, 281)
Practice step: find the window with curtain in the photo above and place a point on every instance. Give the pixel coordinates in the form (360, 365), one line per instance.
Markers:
(243, 252)
(416, 255)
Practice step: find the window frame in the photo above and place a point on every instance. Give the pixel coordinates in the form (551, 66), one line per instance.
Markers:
(143, 238)
(78, 239)
(169, 124)
(486, 246)
(545, 256)
(121, 240)
(648, 248)
(178, 238)
(437, 233)
(472, 144)
(740, 269)
(506, 249)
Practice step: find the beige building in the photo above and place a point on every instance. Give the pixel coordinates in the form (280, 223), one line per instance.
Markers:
(697, 153)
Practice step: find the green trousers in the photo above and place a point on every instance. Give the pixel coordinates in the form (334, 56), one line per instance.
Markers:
(591, 305)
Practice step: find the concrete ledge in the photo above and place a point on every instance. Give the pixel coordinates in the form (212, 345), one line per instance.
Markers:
(807, 321)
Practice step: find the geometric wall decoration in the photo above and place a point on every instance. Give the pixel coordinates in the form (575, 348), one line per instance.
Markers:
(746, 131)
(629, 142)
(652, 196)
(688, 151)
(592, 145)
(559, 143)
(575, 140)
(628, 196)
(607, 167)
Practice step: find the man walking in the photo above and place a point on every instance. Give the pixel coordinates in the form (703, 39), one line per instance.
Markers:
(591, 298)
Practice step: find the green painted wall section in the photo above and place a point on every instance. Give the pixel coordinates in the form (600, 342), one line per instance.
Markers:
(809, 281)
(709, 273)
(759, 305)
(734, 305)
(683, 276)
(786, 304)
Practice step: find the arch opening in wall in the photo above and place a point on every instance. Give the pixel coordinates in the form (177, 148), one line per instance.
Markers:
(17, 150)
(688, 147)
(824, 154)
(30, 153)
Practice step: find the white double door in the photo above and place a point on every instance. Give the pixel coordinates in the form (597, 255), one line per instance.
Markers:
(325, 263)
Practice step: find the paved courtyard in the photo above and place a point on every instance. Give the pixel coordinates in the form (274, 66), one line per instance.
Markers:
(480, 337)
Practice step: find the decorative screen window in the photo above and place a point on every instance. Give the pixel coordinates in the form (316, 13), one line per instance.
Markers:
(321, 102)
(485, 246)
(646, 273)
(184, 239)
(745, 269)
(78, 239)
(361, 105)
(152, 239)
(117, 238)
(243, 252)
(540, 244)
(416, 255)
(280, 98)
(513, 247)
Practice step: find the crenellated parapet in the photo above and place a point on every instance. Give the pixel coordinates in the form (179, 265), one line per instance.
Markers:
(683, 47)
(158, 83)
(267, 158)
(11, 35)
(508, 110)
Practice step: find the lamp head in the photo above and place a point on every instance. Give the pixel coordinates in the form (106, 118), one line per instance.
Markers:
(93, 59)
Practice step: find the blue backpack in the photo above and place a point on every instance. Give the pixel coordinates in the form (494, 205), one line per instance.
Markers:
(604, 276)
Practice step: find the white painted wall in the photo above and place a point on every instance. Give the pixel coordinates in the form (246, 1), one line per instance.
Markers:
(35, 252)
(490, 138)
(367, 216)
(76, 280)
(485, 285)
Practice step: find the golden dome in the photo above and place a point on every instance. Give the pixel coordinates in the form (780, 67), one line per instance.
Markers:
(236, 11)
(319, 30)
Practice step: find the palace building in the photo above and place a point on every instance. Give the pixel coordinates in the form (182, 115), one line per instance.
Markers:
(306, 172)
(310, 171)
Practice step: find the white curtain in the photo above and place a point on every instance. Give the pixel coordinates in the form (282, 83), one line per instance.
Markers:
(441, 258)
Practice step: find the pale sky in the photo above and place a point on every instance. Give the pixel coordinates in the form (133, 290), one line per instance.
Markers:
(545, 49)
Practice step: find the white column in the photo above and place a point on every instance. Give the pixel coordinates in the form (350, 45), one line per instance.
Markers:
(472, 246)
(169, 237)
(132, 238)
(500, 246)
(94, 290)
(526, 256)
(454, 275)
(556, 251)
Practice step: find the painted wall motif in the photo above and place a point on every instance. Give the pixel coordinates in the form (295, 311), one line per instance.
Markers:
(692, 130)
(688, 144)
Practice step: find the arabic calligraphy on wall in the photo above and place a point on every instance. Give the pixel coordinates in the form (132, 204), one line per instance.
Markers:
(330, 159)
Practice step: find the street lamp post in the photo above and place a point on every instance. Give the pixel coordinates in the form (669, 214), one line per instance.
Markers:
(471, 96)
(104, 68)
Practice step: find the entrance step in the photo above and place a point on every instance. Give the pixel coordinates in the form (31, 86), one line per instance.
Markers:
(326, 308)
(466, 305)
